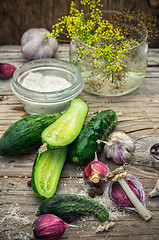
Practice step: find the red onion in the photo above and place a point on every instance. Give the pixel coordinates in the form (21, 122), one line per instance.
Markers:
(94, 173)
(6, 70)
(49, 227)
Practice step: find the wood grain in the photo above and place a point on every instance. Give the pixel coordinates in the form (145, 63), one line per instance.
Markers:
(138, 115)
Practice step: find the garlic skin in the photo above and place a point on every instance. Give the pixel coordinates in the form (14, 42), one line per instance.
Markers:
(119, 197)
(155, 191)
(119, 147)
(126, 191)
(36, 44)
(94, 173)
(48, 227)
(6, 70)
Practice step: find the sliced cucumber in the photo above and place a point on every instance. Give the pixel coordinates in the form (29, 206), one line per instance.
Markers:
(47, 170)
(68, 126)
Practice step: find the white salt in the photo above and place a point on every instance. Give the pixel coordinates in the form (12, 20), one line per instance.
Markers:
(44, 83)
(11, 217)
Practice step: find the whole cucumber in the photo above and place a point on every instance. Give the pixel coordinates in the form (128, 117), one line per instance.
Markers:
(99, 127)
(67, 205)
(25, 134)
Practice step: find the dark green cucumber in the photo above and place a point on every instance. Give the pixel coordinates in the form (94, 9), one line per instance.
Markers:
(98, 128)
(46, 171)
(66, 129)
(67, 205)
(25, 134)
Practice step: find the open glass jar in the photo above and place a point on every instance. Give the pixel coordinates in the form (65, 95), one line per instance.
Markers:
(46, 99)
(131, 70)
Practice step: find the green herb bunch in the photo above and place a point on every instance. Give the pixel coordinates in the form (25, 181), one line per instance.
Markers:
(107, 41)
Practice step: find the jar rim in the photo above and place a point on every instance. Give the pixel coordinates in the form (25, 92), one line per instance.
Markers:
(52, 96)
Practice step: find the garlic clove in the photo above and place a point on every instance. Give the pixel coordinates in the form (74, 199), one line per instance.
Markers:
(155, 191)
(6, 70)
(49, 227)
(37, 44)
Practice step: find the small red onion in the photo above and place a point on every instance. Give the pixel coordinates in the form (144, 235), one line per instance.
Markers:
(49, 227)
(94, 173)
(6, 70)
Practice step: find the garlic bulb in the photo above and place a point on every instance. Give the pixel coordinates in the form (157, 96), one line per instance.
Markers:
(119, 147)
(94, 173)
(126, 191)
(37, 44)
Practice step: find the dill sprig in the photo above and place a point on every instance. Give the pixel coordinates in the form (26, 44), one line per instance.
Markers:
(107, 40)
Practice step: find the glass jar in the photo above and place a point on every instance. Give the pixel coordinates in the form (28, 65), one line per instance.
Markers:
(46, 100)
(125, 79)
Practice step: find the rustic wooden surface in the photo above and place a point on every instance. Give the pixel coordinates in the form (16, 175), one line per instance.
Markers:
(19, 15)
(138, 115)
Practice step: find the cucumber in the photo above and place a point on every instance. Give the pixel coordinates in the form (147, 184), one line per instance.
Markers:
(66, 129)
(25, 134)
(67, 205)
(82, 150)
(46, 171)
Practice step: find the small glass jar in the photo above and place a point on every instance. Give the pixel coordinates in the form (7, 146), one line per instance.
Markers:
(42, 102)
(125, 79)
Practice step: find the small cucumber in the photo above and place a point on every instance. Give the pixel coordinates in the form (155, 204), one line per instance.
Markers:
(66, 129)
(25, 134)
(67, 205)
(82, 150)
(46, 171)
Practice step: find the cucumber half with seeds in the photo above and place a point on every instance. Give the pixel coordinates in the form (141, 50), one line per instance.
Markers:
(68, 126)
(47, 170)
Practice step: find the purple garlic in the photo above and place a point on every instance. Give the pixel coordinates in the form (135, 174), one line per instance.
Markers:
(119, 147)
(129, 193)
(119, 197)
(6, 70)
(94, 173)
(48, 227)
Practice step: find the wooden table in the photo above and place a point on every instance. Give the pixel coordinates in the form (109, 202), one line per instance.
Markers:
(138, 115)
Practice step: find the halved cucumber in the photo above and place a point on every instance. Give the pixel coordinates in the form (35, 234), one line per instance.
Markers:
(47, 170)
(68, 126)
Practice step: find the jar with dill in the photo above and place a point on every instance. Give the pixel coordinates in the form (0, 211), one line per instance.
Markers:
(116, 64)
(109, 47)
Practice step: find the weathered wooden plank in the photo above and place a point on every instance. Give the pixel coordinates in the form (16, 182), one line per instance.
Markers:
(138, 115)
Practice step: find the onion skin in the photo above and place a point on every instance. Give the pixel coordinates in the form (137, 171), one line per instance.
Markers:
(94, 173)
(48, 227)
(119, 197)
(36, 44)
